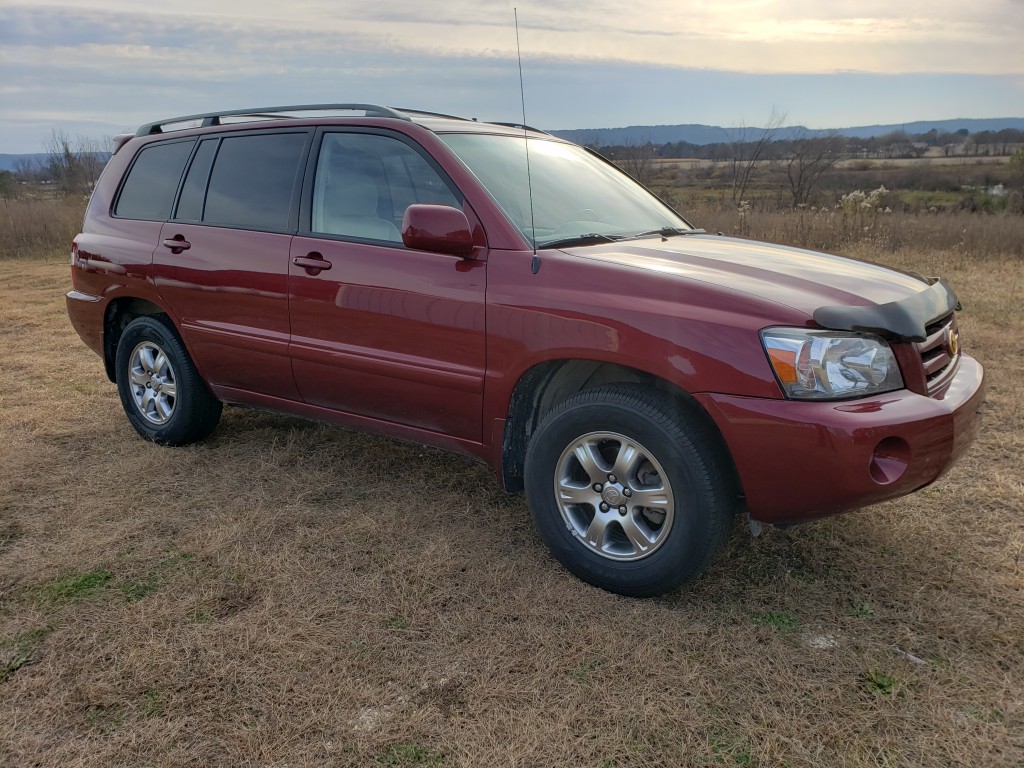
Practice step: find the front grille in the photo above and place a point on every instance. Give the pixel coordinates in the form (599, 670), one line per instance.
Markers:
(939, 357)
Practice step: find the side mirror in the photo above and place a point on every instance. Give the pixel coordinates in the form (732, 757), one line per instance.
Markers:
(437, 228)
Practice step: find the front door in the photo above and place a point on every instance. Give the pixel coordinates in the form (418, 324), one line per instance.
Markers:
(380, 330)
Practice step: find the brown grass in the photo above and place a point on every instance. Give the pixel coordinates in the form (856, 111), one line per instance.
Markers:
(37, 227)
(291, 594)
(972, 237)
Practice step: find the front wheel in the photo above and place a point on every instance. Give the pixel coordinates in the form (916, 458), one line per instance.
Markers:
(631, 493)
(161, 391)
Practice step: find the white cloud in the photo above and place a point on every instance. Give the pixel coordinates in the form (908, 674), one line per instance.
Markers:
(124, 62)
(748, 36)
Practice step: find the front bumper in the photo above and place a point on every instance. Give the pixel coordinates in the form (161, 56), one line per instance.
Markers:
(801, 460)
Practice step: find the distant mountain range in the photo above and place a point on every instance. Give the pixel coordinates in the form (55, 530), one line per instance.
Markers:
(713, 134)
(8, 162)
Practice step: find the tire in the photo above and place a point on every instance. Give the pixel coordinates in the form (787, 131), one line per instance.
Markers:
(614, 447)
(161, 391)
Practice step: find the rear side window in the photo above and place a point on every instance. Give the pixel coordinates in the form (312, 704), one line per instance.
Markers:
(148, 192)
(253, 179)
(193, 191)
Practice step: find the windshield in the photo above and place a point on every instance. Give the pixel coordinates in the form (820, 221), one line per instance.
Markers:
(576, 196)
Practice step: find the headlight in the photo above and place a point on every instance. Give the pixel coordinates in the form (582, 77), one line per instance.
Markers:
(830, 365)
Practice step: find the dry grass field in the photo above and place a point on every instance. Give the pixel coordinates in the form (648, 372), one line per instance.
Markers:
(288, 594)
(39, 225)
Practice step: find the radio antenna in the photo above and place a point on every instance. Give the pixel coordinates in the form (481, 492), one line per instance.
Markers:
(526, 143)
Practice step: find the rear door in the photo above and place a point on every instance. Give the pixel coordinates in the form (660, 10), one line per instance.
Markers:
(380, 330)
(222, 266)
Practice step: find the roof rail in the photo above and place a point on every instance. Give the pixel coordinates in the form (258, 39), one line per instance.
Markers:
(214, 118)
(424, 113)
(520, 126)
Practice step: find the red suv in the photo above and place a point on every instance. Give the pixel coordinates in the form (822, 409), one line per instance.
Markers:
(497, 291)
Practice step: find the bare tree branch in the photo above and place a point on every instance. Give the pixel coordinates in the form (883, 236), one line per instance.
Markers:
(746, 153)
(638, 161)
(807, 161)
(73, 164)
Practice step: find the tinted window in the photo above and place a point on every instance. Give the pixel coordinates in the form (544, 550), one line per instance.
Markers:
(148, 192)
(252, 181)
(190, 203)
(364, 182)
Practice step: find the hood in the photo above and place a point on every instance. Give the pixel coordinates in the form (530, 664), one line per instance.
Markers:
(838, 292)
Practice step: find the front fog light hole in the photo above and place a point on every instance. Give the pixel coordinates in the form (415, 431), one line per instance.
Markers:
(890, 460)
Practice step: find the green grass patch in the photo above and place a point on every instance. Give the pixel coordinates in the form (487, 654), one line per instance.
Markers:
(920, 198)
(155, 704)
(410, 756)
(16, 651)
(993, 715)
(882, 683)
(136, 589)
(783, 621)
(862, 611)
(105, 718)
(583, 671)
(75, 587)
(730, 750)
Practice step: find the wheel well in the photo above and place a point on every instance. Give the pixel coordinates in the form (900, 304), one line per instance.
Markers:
(119, 313)
(546, 385)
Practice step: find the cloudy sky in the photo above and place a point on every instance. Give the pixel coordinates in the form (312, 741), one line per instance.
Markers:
(99, 67)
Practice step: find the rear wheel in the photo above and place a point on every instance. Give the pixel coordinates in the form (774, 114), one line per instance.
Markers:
(631, 493)
(161, 391)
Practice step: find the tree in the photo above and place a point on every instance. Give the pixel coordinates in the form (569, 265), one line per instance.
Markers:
(28, 169)
(8, 185)
(73, 165)
(1017, 169)
(807, 161)
(638, 161)
(747, 148)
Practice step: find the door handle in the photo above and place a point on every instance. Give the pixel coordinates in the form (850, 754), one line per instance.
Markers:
(313, 263)
(177, 244)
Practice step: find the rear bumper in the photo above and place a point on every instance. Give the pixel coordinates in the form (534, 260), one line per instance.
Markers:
(804, 460)
(86, 314)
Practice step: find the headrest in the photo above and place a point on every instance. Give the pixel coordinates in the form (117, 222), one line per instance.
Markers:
(351, 195)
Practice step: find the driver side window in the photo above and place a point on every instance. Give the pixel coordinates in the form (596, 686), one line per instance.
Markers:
(364, 182)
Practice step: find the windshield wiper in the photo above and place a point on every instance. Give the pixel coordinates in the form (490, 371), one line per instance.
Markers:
(666, 232)
(593, 238)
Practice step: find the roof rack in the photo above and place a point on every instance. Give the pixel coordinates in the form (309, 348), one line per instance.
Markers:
(214, 118)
